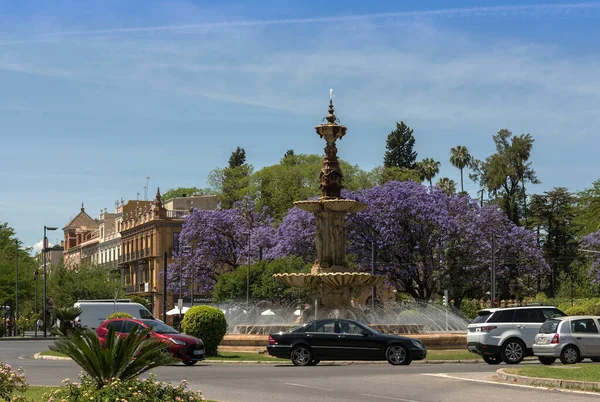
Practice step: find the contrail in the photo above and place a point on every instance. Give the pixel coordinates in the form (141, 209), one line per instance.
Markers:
(332, 19)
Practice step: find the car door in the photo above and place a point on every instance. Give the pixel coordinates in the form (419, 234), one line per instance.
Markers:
(585, 332)
(323, 340)
(354, 345)
(527, 323)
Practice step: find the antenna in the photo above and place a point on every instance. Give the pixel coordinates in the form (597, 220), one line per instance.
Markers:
(146, 189)
(138, 197)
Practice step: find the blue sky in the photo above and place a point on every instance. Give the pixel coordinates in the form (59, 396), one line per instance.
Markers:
(95, 96)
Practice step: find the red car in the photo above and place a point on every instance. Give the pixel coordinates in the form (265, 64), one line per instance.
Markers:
(187, 348)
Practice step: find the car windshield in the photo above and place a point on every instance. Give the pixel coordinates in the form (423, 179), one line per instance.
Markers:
(482, 316)
(160, 327)
(549, 327)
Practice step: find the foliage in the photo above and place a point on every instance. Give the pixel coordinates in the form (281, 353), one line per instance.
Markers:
(188, 191)
(132, 390)
(295, 236)
(207, 323)
(505, 173)
(232, 285)
(447, 185)
(237, 158)
(11, 382)
(585, 307)
(218, 242)
(587, 210)
(84, 283)
(460, 158)
(233, 182)
(120, 358)
(382, 175)
(428, 168)
(469, 308)
(67, 315)
(2, 330)
(119, 314)
(399, 145)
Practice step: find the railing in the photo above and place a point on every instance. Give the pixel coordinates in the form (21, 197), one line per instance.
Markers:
(178, 214)
(137, 288)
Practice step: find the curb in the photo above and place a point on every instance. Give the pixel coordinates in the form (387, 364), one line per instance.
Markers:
(39, 356)
(548, 382)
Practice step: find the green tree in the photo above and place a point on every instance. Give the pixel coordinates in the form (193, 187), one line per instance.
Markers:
(587, 210)
(119, 359)
(460, 158)
(381, 175)
(233, 182)
(207, 323)
(447, 185)
(505, 173)
(552, 217)
(237, 158)
(232, 285)
(399, 145)
(429, 168)
(65, 286)
(188, 191)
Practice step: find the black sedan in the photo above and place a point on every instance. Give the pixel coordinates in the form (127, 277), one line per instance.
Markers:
(340, 339)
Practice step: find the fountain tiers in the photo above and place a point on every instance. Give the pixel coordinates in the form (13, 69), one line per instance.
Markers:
(329, 275)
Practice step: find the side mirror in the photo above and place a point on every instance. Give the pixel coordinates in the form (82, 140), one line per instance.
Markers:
(364, 332)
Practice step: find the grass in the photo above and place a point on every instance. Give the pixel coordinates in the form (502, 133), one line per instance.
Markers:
(35, 392)
(451, 355)
(53, 353)
(577, 372)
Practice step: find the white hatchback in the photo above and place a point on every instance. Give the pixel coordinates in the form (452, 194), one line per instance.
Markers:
(570, 339)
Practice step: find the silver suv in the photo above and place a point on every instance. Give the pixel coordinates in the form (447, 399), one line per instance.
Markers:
(507, 334)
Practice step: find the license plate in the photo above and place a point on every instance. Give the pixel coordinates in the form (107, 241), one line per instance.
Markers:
(198, 352)
(542, 340)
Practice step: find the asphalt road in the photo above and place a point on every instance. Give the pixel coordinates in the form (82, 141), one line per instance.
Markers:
(323, 383)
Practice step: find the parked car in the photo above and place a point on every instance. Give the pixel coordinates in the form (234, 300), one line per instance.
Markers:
(507, 334)
(570, 339)
(341, 339)
(185, 347)
(93, 312)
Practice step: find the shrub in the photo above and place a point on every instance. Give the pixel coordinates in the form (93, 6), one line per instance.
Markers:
(586, 307)
(67, 315)
(470, 308)
(207, 323)
(119, 314)
(2, 331)
(11, 381)
(133, 390)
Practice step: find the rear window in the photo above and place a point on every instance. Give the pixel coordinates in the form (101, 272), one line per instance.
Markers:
(552, 313)
(482, 316)
(549, 327)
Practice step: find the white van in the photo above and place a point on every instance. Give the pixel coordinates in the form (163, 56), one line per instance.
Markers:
(96, 311)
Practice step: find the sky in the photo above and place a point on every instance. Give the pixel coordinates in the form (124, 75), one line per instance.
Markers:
(97, 96)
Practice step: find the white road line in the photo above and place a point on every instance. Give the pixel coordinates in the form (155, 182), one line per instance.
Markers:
(388, 397)
(308, 386)
(442, 375)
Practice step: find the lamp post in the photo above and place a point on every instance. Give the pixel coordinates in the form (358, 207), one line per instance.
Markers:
(45, 242)
(16, 285)
(248, 275)
(35, 276)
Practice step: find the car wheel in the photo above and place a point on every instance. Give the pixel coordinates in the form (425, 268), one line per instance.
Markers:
(397, 355)
(513, 351)
(189, 362)
(569, 355)
(546, 360)
(595, 359)
(301, 356)
(492, 359)
(314, 362)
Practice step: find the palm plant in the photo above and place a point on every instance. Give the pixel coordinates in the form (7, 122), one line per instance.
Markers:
(447, 185)
(429, 168)
(460, 158)
(67, 315)
(119, 359)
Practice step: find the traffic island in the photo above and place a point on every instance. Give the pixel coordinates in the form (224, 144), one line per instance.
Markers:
(514, 378)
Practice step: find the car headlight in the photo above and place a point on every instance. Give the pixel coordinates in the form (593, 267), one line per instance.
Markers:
(417, 344)
(177, 341)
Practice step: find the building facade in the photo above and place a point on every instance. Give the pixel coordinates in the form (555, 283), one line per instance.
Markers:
(149, 230)
(80, 239)
(109, 244)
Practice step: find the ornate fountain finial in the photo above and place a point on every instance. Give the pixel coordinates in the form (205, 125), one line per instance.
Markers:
(331, 116)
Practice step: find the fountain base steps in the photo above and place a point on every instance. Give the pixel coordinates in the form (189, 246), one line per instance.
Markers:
(437, 341)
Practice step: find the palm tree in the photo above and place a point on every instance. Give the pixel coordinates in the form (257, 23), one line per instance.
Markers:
(120, 358)
(429, 169)
(460, 158)
(447, 185)
(66, 316)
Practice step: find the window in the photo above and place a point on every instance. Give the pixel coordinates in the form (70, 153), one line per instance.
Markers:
(482, 316)
(528, 315)
(549, 327)
(116, 325)
(145, 314)
(322, 326)
(584, 326)
(128, 326)
(552, 313)
(351, 328)
(503, 316)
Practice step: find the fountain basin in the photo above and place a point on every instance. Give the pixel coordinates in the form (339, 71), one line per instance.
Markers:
(333, 279)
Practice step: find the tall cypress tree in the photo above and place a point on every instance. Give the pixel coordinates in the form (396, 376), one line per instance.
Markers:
(237, 158)
(399, 144)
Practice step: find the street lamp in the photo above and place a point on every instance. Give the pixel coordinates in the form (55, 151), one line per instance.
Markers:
(16, 284)
(45, 243)
(35, 276)
(248, 275)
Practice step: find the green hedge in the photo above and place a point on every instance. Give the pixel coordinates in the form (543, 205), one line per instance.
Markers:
(207, 323)
(119, 314)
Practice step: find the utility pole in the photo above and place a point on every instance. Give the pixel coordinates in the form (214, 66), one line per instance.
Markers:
(493, 270)
(146, 189)
(374, 289)
(248, 274)
(16, 285)
(164, 314)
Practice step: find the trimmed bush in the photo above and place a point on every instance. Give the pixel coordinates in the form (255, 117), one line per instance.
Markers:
(470, 308)
(207, 323)
(11, 381)
(119, 314)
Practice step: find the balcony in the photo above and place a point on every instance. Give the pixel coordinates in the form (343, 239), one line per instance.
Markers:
(177, 214)
(137, 288)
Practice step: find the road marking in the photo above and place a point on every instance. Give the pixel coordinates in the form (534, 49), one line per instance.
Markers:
(389, 398)
(450, 377)
(308, 386)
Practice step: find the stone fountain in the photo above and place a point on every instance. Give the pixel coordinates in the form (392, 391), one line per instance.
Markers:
(330, 275)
